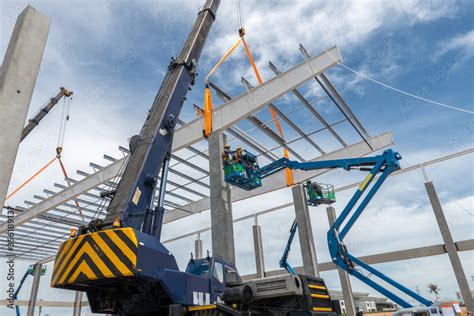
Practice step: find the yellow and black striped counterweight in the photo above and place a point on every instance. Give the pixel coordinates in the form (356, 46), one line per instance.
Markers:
(96, 256)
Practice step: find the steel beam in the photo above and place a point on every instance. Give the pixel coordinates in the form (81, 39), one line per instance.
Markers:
(240, 107)
(18, 75)
(75, 190)
(308, 105)
(263, 127)
(298, 130)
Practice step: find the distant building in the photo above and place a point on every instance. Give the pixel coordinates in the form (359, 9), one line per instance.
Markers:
(363, 303)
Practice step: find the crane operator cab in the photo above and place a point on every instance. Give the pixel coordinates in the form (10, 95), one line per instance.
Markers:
(240, 167)
(319, 193)
(223, 277)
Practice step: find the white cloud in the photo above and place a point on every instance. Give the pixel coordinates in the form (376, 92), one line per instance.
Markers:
(461, 46)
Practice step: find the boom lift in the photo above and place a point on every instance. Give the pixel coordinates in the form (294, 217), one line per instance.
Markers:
(120, 261)
(244, 172)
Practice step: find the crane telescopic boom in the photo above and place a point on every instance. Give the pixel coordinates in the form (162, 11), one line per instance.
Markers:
(35, 120)
(151, 149)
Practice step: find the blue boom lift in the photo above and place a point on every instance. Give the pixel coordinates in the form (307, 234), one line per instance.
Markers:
(244, 172)
(120, 261)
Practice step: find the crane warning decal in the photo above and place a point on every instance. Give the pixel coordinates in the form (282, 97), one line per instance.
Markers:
(99, 255)
(136, 196)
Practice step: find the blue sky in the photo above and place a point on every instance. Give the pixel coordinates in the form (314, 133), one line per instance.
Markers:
(113, 55)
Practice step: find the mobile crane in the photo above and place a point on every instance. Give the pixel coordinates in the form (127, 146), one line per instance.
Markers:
(120, 261)
(244, 172)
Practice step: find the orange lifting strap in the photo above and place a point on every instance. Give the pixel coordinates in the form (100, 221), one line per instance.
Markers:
(207, 112)
(58, 157)
(207, 92)
(289, 173)
(31, 178)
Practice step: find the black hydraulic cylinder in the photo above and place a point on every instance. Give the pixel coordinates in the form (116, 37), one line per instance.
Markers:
(33, 122)
(238, 295)
(135, 190)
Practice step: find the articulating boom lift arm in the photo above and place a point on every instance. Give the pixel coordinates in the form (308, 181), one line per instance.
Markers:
(284, 258)
(383, 164)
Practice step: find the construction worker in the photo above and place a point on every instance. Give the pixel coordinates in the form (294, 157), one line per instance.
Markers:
(237, 157)
(226, 155)
(317, 189)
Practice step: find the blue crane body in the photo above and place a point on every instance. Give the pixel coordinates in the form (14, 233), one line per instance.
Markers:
(250, 176)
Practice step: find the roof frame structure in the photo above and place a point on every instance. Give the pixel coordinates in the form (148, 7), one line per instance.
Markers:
(54, 213)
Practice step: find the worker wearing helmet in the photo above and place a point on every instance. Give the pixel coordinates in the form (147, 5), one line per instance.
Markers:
(237, 156)
(318, 189)
(226, 155)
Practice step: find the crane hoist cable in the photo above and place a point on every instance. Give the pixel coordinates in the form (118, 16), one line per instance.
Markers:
(59, 148)
(288, 172)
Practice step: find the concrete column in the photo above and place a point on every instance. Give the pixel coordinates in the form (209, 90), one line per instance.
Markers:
(343, 275)
(450, 246)
(305, 231)
(77, 304)
(258, 247)
(34, 290)
(222, 228)
(17, 80)
(198, 248)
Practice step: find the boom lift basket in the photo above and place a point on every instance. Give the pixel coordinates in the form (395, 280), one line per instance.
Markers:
(240, 170)
(319, 193)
